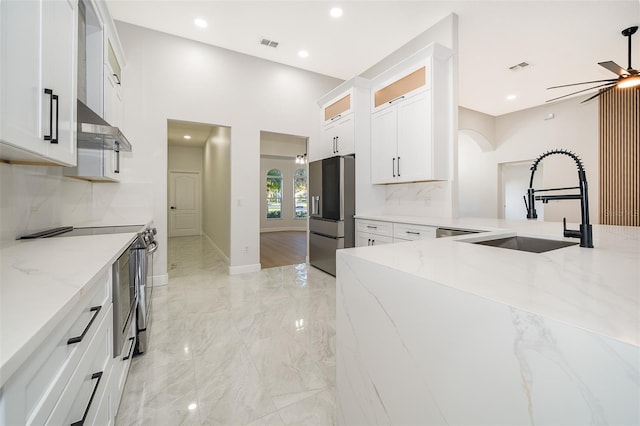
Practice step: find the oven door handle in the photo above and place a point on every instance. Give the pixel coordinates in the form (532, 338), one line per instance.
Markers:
(152, 248)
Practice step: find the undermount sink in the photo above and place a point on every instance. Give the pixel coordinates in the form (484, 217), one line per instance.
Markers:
(533, 245)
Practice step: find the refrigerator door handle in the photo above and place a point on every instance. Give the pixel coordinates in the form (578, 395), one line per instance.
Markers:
(315, 205)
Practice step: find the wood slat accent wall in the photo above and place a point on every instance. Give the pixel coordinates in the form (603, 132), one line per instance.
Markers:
(619, 153)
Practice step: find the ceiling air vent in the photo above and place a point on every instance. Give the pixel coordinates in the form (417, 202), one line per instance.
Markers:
(519, 66)
(269, 43)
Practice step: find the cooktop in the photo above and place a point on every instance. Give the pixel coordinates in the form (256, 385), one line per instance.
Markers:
(70, 231)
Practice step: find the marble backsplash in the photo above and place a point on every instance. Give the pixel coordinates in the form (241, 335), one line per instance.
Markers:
(33, 198)
(431, 199)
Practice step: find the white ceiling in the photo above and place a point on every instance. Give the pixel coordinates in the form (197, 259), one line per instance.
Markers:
(176, 130)
(562, 40)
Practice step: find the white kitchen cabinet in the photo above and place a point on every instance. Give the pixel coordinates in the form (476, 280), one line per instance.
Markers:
(376, 232)
(410, 232)
(344, 120)
(38, 81)
(371, 232)
(411, 114)
(88, 386)
(31, 395)
(338, 137)
(113, 108)
(364, 239)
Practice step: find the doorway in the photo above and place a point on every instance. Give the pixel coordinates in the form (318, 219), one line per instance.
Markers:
(199, 182)
(284, 210)
(514, 182)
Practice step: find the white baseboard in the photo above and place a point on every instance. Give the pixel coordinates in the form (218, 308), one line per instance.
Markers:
(159, 280)
(284, 228)
(216, 248)
(244, 269)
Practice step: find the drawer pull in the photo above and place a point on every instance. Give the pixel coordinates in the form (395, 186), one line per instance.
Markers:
(93, 394)
(372, 227)
(133, 343)
(78, 339)
(412, 232)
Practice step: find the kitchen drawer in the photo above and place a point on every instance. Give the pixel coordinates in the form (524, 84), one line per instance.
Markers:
(364, 239)
(87, 386)
(406, 231)
(31, 394)
(375, 227)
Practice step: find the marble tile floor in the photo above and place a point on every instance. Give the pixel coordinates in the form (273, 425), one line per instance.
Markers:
(251, 349)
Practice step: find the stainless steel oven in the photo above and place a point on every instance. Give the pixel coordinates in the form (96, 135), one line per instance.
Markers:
(144, 247)
(124, 298)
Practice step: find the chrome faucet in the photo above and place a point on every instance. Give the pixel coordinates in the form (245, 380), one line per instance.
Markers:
(585, 234)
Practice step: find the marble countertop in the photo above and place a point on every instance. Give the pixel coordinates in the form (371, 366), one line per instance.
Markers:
(596, 289)
(39, 283)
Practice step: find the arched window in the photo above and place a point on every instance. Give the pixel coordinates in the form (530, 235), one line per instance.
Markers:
(274, 194)
(300, 194)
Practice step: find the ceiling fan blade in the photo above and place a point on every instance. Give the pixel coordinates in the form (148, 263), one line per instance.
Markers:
(580, 91)
(600, 92)
(613, 67)
(584, 82)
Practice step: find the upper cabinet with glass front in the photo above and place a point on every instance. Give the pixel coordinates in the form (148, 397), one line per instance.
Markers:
(411, 119)
(38, 60)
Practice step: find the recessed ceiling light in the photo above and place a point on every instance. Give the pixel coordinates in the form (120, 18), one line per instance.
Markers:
(187, 137)
(511, 97)
(303, 53)
(192, 406)
(200, 23)
(336, 12)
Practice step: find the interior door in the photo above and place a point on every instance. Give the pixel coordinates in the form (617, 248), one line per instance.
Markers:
(184, 204)
(515, 182)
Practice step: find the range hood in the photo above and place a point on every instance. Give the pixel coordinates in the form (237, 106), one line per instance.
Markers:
(95, 133)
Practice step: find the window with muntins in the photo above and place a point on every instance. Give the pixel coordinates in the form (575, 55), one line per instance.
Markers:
(300, 194)
(274, 194)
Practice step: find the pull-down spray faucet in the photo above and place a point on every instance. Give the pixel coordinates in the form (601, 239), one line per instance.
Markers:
(585, 235)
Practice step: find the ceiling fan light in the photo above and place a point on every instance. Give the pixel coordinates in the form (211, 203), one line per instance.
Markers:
(631, 81)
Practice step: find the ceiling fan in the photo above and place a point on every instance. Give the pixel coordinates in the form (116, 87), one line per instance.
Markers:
(627, 77)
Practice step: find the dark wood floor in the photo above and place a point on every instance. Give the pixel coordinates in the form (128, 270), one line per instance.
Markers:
(282, 248)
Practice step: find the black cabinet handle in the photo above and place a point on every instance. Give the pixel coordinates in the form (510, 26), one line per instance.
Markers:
(335, 117)
(396, 99)
(372, 227)
(55, 98)
(398, 166)
(49, 137)
(337, 142)
(133, 343)
(412, 233)
(393, 166)
(117, 79)
(369, 242)
(117, 150)
(78, 339)
(93, 394)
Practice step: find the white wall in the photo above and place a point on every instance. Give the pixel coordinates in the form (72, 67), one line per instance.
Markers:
(524, 136)
(288, 222)
(216, 189)
(185, 158)
(169, 77)
(34, 198)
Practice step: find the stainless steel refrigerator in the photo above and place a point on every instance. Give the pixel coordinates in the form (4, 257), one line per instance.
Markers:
(331, 223)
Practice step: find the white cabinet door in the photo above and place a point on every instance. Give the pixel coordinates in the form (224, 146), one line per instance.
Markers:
(345, 143)
(21, 99)
(383, 146)
(415, 157)
(59, 73)
(112, 98)
(42, 55)
(364, 239)
(328, 141)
